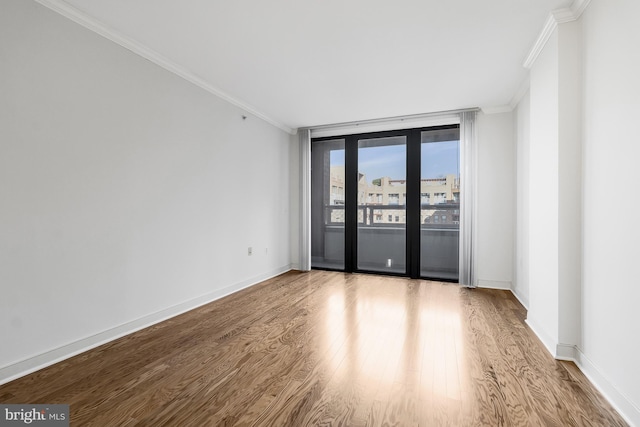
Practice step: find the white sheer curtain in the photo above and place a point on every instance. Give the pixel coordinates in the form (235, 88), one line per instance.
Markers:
(468, 160)
(305, 199)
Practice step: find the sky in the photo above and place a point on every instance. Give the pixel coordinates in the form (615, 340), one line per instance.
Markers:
(438, 160)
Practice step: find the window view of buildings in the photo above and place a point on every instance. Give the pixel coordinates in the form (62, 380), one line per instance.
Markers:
(439, 197)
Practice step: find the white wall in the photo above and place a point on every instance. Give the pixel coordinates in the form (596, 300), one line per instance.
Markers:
(543, 195)
(495, 200)
(584, 97)
(569, 183)
(610, 289)
(554, 192)
(127, 194)
(522, 131)
(295, 208)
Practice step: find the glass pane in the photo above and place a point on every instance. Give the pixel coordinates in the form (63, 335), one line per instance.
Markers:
(440, 204)
(327, 204)
(382, 215)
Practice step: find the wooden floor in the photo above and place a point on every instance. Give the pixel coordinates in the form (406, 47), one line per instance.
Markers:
(325, 348)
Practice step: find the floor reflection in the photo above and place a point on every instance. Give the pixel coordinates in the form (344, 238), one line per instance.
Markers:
(406, 333)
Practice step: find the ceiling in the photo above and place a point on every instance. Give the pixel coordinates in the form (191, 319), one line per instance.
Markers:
(301, 63)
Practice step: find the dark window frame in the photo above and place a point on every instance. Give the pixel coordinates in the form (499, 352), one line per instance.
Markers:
(412, 199)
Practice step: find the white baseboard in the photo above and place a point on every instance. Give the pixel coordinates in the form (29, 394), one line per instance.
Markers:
(494, 284)
(620, 402)
(566, 352)
(549, 343)
(523, 301)
(557, 350)
(32, 364)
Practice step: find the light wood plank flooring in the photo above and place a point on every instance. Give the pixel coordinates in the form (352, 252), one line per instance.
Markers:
(326, 348)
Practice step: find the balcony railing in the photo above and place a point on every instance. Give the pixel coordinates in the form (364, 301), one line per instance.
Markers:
(379, 241)
(378, 216)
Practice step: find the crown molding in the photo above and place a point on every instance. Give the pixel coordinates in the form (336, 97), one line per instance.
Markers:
(109, 33)
(579, 6)
(562, 16)
(549, 27)
(555, 18)
(497, 109)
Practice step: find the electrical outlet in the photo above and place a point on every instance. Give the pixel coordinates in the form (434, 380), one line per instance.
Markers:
(250, 251)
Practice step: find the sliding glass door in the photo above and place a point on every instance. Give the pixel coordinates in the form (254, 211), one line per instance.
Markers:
(327, 204)
(387, 203)
(382, 215)
(439, 203)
